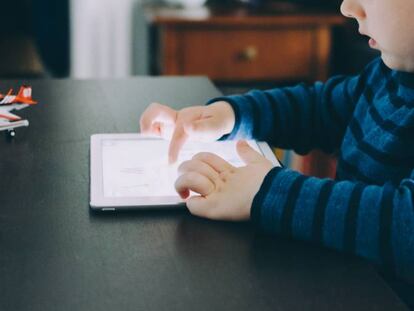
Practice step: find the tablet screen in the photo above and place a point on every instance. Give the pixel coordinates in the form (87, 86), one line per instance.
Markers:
(136, 168)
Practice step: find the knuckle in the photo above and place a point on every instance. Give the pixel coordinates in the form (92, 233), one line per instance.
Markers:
(226, 175)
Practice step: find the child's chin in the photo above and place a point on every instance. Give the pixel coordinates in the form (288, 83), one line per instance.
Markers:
(396, 63)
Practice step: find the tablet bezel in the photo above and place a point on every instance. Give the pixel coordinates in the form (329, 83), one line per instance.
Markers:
(99, 202)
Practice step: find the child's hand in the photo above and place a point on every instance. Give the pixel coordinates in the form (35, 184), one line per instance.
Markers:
(226, 192)
(203, 123)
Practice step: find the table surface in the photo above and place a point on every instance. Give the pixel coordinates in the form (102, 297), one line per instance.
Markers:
(55, 254)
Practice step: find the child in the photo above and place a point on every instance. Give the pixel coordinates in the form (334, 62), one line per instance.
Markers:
(369, 119)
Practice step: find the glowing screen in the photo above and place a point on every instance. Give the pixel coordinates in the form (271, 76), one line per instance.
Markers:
(134, 168)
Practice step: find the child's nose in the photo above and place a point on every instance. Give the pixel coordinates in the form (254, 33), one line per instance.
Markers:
(352, 9)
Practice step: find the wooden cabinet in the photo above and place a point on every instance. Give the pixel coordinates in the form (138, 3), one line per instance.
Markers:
(238, 46)
(241, 54)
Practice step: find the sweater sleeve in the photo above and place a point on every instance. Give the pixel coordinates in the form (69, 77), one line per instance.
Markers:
(301, 118)
(374, 222)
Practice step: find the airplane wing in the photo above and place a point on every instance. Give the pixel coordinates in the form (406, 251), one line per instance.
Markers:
(5, 111)
(7, 125)
(16, 107)
(8, 99)
(5, 114)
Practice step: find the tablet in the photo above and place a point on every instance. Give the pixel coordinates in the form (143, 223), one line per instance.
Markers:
(130, 171)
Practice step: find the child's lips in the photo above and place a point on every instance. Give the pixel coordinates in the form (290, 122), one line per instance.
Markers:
(372, 43)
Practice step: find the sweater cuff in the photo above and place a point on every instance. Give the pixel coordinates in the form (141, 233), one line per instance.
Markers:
(258, 201)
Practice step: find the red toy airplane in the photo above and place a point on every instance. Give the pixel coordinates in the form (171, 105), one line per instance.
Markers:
(9, 102)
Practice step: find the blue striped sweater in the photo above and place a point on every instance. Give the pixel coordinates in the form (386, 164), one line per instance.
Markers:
(368, 121)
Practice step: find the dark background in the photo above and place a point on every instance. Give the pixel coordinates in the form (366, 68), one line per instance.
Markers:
(35, 37)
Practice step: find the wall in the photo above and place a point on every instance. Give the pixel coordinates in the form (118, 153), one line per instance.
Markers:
(105, 38)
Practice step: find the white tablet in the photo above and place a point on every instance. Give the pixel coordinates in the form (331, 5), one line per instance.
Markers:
(131, 171)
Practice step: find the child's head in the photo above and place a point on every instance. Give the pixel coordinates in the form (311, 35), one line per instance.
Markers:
(390, 24)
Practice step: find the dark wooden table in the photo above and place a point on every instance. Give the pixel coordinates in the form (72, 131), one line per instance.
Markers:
(57, 255)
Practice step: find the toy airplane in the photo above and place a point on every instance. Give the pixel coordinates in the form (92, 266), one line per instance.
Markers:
(8, 121)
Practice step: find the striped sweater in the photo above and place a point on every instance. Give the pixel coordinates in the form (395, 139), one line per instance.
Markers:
(368, 121)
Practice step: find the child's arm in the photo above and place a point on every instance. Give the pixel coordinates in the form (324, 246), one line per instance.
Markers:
(301, 117)
(375, 222)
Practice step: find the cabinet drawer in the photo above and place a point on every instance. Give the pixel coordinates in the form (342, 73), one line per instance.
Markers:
(238, 55)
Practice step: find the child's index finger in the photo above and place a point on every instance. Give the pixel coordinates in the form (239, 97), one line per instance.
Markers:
(178, 139)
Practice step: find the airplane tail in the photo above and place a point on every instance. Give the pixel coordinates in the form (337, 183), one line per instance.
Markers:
(25, 92)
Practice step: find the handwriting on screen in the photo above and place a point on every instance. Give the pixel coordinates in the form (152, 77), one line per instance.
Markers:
(136, 168)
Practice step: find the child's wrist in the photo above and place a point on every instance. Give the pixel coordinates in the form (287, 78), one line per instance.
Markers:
(228, 115)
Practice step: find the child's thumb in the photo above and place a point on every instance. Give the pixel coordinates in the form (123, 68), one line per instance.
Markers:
(247, 153)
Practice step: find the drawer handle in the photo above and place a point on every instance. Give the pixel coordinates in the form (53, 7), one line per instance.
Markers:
(250, 53)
